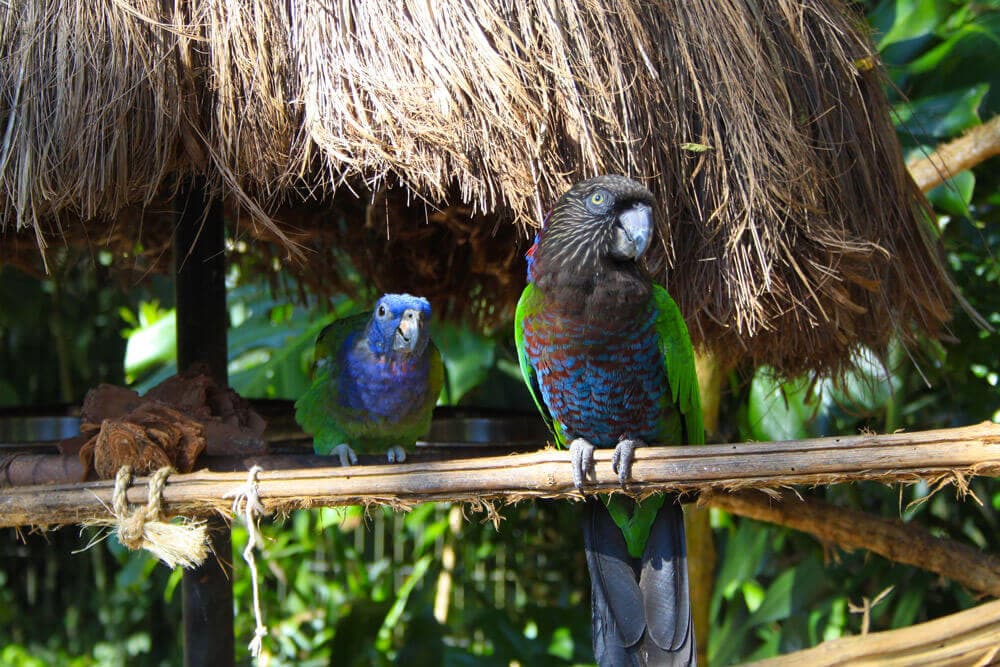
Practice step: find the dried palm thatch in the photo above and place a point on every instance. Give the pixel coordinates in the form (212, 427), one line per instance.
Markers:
(791, 230)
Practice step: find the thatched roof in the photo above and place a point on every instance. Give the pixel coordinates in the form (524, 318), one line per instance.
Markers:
(792, 232)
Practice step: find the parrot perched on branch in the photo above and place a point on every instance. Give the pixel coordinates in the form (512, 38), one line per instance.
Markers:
(608, 359)
(377, 378)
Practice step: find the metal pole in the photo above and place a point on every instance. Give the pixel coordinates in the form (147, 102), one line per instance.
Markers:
(202, 321)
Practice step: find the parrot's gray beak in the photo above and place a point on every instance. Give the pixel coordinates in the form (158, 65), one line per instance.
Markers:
(633, 231)
(407, 334)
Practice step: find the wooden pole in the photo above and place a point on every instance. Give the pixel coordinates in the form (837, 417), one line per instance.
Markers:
(697, 526)
(202, 321)
(953, 454)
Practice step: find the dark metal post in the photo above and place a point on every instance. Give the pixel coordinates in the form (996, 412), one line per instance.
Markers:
(202, 321)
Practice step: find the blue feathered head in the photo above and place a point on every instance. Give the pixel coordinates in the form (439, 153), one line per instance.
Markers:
(398, 325)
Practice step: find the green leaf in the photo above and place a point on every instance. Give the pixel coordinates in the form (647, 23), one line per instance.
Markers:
(396, 611)
(753, 595)
(151, 345)
(695, 148)
(777, 410)
(913, 20)
(743, 553)
(942, 116)
(468, 357)
(791, 592)
(954, 195)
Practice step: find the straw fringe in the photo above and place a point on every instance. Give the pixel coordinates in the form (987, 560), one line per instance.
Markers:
(791, 231)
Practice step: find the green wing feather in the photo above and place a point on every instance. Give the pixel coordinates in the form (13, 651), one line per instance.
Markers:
(528, 305)
(436, 381)
(678, 359)
(312, 410)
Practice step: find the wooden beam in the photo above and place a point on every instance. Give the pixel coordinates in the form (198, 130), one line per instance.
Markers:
(955, 454)
(970, 637)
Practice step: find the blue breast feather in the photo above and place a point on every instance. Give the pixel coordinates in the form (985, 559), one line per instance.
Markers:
(599, 384)
(382, 388)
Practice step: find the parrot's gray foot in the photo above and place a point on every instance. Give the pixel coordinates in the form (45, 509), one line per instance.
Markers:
(396, 454)
(581, 453)
(345, 454)
(621, 460)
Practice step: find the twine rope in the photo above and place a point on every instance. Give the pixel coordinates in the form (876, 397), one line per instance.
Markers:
(183, 543)
(248, 506)
(131, 526)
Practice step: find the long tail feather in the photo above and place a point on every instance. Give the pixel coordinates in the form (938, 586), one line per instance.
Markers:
(641, 613)
(664, 585)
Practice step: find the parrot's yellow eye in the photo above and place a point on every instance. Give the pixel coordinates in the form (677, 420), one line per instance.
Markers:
(597, 198)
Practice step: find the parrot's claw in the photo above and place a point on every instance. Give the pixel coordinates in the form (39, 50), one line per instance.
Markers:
(396, 454)
(345, 454)
(621, 460)
(581, 453)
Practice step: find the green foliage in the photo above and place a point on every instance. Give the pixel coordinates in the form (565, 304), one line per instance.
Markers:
(60, 335)
(357, 589)
(103, 606)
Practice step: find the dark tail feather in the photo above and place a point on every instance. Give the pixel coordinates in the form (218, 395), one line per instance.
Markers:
(664, 585)
(641, 610)
(618, 618)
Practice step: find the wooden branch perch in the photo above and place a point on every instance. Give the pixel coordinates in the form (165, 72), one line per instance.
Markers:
(900, 542)
(977, 145)
(969, 637)
(947, 454)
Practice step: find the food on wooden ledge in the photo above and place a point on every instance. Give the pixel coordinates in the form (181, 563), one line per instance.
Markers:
(173, 424)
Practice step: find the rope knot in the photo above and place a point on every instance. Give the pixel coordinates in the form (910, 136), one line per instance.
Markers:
(143, 528)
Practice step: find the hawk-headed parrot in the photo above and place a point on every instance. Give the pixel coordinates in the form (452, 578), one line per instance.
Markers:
(608, 359)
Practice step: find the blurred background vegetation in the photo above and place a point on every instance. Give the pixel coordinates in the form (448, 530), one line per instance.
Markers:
(344, 588)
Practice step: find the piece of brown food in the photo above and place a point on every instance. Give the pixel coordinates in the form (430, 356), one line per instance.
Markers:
(148, 438)
(172, 424)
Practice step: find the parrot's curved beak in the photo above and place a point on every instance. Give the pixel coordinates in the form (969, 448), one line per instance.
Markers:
(633, 231)
(407, 334)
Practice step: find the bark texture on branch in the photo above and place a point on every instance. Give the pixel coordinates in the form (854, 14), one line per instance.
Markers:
(946, 454)
(977, 145)
(900, 542)
(970, 637)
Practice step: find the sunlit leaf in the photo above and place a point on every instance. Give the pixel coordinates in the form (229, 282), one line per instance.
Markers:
(955, 194)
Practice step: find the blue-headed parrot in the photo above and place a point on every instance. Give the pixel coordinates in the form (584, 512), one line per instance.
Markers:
(608, 359)
(377, 377)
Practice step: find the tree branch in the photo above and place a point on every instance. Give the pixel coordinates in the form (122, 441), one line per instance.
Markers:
(942, 455)
(966, 638)
(977, 145)
(900, 542)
